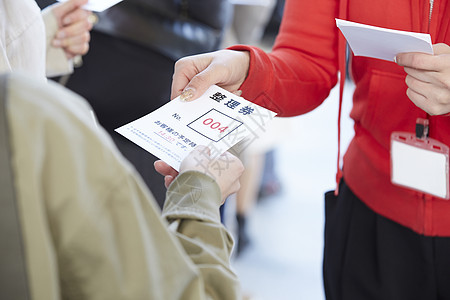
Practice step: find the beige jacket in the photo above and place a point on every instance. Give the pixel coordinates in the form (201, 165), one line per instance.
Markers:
(90, 227)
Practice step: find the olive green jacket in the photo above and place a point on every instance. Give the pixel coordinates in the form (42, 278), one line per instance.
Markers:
(91, 229)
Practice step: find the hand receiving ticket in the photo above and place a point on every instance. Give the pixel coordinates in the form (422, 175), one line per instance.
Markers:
(218, 120)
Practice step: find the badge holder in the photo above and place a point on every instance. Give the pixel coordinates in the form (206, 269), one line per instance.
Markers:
(419, 162)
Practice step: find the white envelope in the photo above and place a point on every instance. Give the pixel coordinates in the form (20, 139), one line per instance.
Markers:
(98, 5)
(382, 43)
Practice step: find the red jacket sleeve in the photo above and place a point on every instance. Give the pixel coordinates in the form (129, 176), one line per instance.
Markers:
(302, 68)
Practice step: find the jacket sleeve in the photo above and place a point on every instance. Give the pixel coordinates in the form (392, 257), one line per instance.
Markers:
(57, 63)
(299, 72)
(192, 210)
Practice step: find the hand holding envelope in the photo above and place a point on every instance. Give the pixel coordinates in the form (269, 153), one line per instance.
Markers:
(428, 79)
(427, 66)
(74, 25)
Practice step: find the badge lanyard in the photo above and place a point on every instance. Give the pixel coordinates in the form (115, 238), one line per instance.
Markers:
(419, 162)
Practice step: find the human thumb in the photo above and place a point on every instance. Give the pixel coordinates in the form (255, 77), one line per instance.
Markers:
(198, 85)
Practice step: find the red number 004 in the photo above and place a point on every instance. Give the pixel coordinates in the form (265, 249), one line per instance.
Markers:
(214, 125)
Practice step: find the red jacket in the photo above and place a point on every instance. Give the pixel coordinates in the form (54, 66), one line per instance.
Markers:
(302, 68)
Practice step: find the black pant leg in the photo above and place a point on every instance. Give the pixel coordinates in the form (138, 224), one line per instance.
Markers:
(442, 263)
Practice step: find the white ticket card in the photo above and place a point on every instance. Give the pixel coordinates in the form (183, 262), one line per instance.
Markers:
(218, 119)
(98, 5)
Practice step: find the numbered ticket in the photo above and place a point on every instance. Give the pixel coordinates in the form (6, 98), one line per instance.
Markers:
(218, 120)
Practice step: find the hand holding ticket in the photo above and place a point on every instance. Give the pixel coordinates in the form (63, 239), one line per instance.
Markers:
(217, 120)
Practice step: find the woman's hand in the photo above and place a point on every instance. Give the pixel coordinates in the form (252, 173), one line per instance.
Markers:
(428, 79)
(74, 25)
(193, 75)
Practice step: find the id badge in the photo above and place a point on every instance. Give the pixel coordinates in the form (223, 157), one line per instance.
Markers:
(420, 164)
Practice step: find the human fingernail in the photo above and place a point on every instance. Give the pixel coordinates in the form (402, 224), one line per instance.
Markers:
(238, 93)
(66, 21)
(187, 94)
(92, 18)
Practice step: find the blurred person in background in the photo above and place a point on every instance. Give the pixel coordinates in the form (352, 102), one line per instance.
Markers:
(42, 43)
(250, 21)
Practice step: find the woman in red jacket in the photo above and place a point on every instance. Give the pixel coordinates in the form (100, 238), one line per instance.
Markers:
(382, 240)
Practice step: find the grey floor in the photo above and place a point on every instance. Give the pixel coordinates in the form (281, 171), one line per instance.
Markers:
(284, 259)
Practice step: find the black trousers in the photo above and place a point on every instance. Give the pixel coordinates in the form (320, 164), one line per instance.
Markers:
(367, 256)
